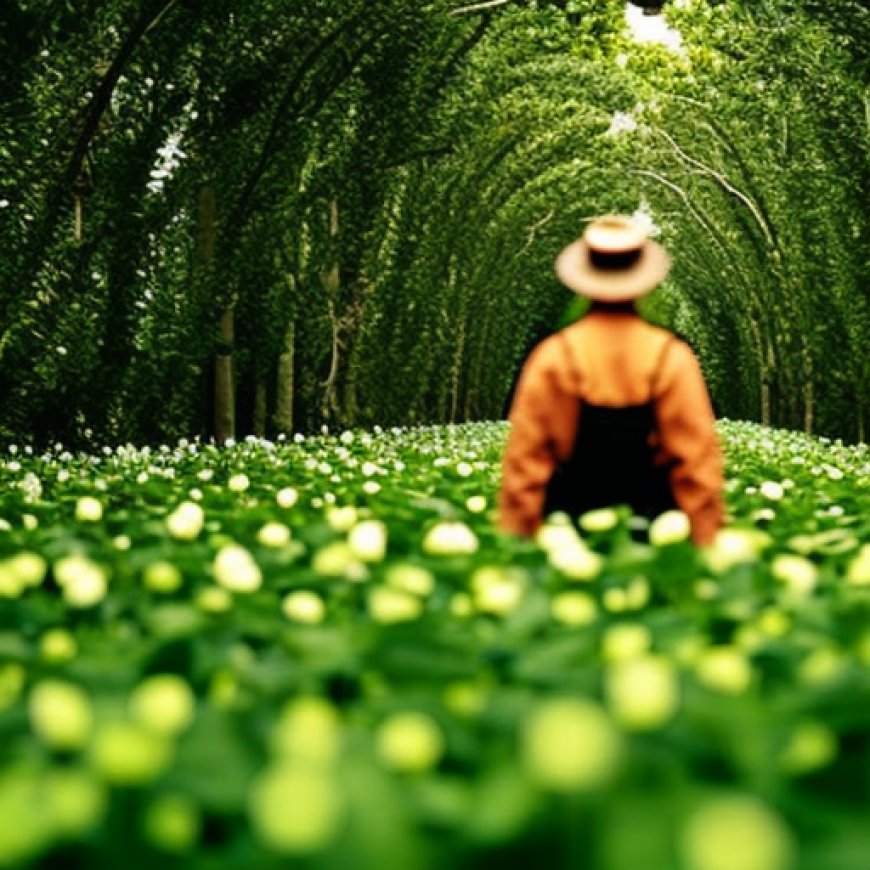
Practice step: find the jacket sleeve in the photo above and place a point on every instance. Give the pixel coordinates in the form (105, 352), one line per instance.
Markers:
(537, 416)
(689, 441)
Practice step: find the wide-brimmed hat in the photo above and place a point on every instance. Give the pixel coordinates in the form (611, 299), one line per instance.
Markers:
(614, 261)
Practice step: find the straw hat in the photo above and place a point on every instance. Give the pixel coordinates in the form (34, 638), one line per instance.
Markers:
(614, 261)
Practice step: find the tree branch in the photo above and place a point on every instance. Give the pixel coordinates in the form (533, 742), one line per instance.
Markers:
(479, 7)
(723, 182)
(103, 94)
(283, 114)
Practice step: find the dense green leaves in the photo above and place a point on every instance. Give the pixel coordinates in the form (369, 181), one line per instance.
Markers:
(369, 198)
(320, 649)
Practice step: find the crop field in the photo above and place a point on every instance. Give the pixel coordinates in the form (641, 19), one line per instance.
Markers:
(319, 652)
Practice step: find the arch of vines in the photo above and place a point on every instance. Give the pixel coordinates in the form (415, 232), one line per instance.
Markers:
(221, 218)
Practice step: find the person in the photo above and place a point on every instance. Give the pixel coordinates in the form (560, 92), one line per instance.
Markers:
(612, 410)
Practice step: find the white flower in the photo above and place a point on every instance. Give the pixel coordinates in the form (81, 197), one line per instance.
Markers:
(31, 486)
(671, 527)
(736, 832)
(642, 692)
(475, 504)
(573, 608)
(724, 669)
(162, 576)
(497, 590)
(341, 518)
(163, 703)
(555, 534)
(464, 469)
(336, 560)
(287, 497)
(569, 745)
(213, 599)
(388, 605)
(410, 742)
(60, 714)
(858, 572)
(772, 490)
(410, 578)
(368, 540)
(27, 568)
(57, 645)
(238, 482)
(602, 520)
(304, 606)
(83, 581)
(186, 521)
(450, 538)
(625, 641)
(86, 589)
(89, 509)
(235, 569)
(797, 572)
(576, 561)
(273, 535)
(733, 547)
(122, 542)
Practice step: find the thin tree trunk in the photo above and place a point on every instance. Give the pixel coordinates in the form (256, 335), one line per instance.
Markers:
(224, 405)
(809, 404)
(223, 424)
(456, 370)
(766, 375)
(284, 405)
(78, 218)
(260, 409)
(332, 284)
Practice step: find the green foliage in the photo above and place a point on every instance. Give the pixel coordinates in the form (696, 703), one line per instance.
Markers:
(319, 650)
(393, 180)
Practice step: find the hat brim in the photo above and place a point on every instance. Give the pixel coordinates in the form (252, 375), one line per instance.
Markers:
(575, 270)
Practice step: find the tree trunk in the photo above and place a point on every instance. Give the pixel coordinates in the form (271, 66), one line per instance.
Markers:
(809, 404)
(766, 375)
(332, 284)
(223, 424)
(284, 408)
(224, 398)
(260, 409)
(78, 218)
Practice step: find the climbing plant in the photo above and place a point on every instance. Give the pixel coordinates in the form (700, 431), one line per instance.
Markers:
(223, 217)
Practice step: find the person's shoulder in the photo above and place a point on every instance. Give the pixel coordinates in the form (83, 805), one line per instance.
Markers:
(550, 352)
(671, 337)
(553, 343)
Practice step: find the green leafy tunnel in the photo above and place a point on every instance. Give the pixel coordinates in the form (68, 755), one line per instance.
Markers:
(222, 218)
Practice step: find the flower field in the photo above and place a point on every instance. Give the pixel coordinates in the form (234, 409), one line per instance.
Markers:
(320, 653)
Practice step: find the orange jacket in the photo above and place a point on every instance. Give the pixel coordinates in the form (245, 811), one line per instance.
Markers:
(614, 358)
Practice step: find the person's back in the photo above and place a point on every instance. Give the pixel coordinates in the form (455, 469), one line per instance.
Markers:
(614, 458)
(612, 410)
